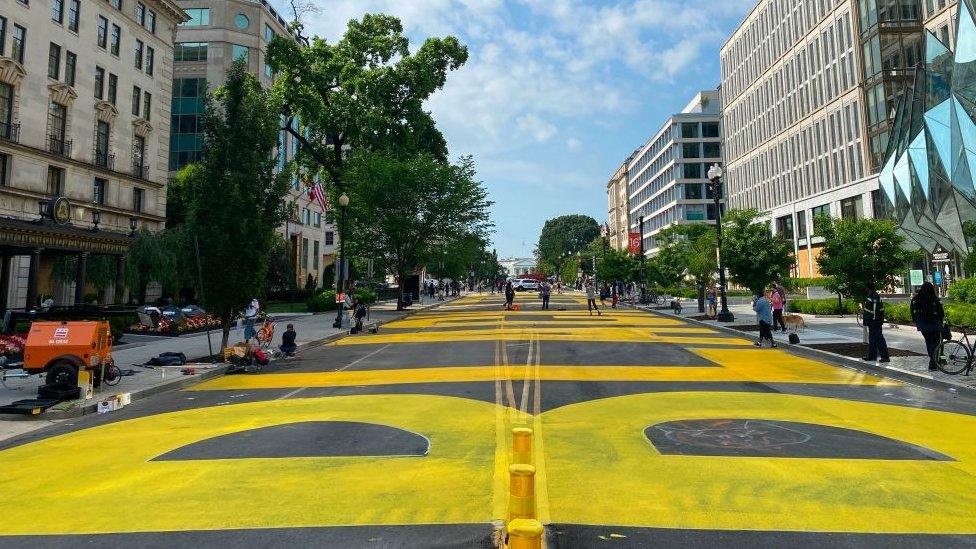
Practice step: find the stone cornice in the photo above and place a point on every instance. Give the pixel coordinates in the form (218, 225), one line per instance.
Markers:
(106, 111)
(62, 94)
(142, 127)
(11, 72)
(171, 9)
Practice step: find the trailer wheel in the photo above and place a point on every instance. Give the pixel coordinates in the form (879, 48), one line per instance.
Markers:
(62, 373)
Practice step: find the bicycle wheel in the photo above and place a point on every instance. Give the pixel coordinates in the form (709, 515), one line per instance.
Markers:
(860, 320)
(953, 357)
(113, 375)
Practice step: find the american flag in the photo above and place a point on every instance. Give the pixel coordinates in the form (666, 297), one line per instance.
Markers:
(317, 194)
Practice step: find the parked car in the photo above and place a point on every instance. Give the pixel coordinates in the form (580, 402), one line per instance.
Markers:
(526, 285)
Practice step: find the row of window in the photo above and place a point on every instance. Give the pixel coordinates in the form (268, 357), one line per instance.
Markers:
(141, 101)
(815, 75)
(850, 208)
(18, 41)
(200, 17)
(56, 182)
(144, 57)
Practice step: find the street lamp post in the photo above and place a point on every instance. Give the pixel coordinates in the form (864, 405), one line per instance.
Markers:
(343, 202)
(715, 177)
(643, 278)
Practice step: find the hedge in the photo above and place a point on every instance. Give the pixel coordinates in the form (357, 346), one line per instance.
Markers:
(963, 291)
(827, 306)
(325, 301)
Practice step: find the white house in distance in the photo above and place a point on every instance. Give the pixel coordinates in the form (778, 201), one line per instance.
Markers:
(517, 267)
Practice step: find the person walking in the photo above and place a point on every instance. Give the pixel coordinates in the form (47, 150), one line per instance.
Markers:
(929, 316)
(545, 291)
(777, 300)
(591, 299)
(250, 316)
(614, 297)
(873, 314)
(764, 313)
(509, 295)
(712, 297)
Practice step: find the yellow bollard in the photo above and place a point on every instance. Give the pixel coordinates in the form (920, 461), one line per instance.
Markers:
(525, 534)
(521, 491)
(522, 445)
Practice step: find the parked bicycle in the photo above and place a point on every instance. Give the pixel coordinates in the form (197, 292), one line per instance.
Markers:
(955, 356)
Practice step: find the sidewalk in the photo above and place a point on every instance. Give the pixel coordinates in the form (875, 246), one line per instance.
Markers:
(147, 381)
(825, 330)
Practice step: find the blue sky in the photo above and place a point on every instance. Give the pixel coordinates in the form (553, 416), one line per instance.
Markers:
(556, 93)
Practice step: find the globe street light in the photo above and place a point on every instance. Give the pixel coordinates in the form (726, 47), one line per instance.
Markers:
(343, 202)
(715, 177)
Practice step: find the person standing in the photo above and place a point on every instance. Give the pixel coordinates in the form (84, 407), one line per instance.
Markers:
(712, 297)
(591, 299)
(509, 295)
(614, 297)
(777, 300)
(545, 291)
(873, 311)
(250, 316)
(764, 313)
(929, 316)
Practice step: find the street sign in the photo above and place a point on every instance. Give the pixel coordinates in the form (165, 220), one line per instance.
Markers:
(917, 277)
(941, 255)
(340, 297)
(634, 243)
(937, 278)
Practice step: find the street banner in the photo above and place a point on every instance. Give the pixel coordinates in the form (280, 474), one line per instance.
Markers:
(340, 297)
(916, 275)
(635, 243)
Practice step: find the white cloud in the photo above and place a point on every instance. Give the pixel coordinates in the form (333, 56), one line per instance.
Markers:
(573, 144)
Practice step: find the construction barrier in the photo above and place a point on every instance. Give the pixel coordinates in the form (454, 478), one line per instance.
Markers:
(521, 498)
(522, 445)
(525, 534)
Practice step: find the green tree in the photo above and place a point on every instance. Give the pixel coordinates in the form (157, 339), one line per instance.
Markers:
(666, 269)
(859, 254)
(755, 258)
(407, 210)
(236, 199)
(281, 267)
(365, 92)
(162, 258)
(694, 247)
(563, 237)
(969, 265)
(177, 199)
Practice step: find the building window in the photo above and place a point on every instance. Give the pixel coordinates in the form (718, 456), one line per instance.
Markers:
(801, 224)
(54, 61)
(315, 256)
(139, 168)
(99, 82)
(693, 192)
(139, 46)
(57, 10)
(137, 199)
(6, 110)
(268, 71)
(59, 125)
(689, 130)
(690, 150)
(199, 17)
(818, 213)
(186, 130)
(4, 170)
(317, 219)
(116, 40)
(691, 171)
(55, 181)
(102, 132)
(329, 238)
(136, 100)
(113, 88)
(190, 51)
(141, 14)
(269, 33)
(305, 253)
(850, 208)
(150, 60)
(74, 14)
(709, 129)
(17, 43)
(241, 21)
(102, 32)
(147, 106)
(784, 227)
(70, 67)
(877, 204)
(151, 21)
(117, 4)
(239, 52)
(98, 192)
(712, 150)
(305, 216)
(3, 36)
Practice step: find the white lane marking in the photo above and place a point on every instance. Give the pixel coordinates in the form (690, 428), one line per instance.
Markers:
(357, 361)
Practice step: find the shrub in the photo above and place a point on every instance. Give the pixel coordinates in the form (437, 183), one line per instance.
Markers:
(365, 295)
(828, 306)
(898, 313)
(961, 314)
(963, 291)
(799, 284)
(324, 301)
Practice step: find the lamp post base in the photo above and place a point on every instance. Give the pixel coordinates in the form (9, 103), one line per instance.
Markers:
(725, 316)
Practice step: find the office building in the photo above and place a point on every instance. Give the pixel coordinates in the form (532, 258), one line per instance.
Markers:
(809, 90)
(217, 33)
(84, 140)
(617, 210)
(666, 177)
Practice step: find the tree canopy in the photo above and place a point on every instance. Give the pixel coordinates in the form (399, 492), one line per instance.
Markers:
(859, 254)
(565, 236)
(755, 258)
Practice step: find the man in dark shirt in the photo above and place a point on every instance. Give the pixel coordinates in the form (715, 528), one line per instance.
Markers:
(288, 345)
(873, 315)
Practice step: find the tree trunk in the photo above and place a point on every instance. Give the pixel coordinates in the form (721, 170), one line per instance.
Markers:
(400, 292)
(701, 298)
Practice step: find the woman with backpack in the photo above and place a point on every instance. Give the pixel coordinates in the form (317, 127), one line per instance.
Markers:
(929, 317)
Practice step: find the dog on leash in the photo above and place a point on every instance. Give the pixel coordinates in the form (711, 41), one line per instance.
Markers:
(794, 322)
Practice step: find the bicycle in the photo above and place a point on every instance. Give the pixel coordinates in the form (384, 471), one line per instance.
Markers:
(955, 355)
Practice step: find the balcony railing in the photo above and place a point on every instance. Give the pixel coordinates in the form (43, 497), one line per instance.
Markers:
(103, 160)
(59, 145)
(141, 171)
(10, 132)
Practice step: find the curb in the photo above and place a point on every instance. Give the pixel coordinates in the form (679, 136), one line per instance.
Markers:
(840, 360)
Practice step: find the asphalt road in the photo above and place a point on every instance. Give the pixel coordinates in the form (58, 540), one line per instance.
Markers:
(649, 432)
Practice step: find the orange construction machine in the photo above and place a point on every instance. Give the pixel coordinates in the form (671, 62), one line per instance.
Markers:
(62, 349)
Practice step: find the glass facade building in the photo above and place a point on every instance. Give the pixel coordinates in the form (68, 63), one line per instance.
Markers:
(927, 181)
